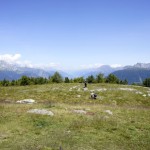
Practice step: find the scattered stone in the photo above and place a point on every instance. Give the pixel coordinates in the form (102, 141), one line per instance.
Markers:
(80, 111)
(26, 101)
(54, 89)
(85, 89)
(109, 112)
(74, 87)
(101, 89)
(78, 96)
(70, 89)
(78, 89)
(92, 91)
(144, 95)
(41, 112)
(68, 131)
(127, 89)
(138, 92)
(148, 94)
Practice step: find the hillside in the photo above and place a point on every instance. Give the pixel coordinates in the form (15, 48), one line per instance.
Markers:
(133, 75)
(118, 119)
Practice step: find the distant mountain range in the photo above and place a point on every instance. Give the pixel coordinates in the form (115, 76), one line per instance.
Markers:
(134, 74)
(13, 71)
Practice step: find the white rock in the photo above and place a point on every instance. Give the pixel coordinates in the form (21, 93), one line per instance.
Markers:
(109, 112)
(138, 92)
(68, 131)
(78, 96)
(78, 89)
(101, 89)
(41, 111)
(148, 94)
(26, 101)
(85, 89)
(127, 89)
(80, 111)
(92, 91)
(144, 95)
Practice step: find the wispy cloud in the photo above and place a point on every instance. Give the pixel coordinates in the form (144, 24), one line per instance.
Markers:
(116, 65)
(16, 59)
(48, 65)
(10, 58)
(97, 65)
(91, 66)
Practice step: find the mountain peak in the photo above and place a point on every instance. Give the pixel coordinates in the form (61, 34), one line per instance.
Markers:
(142, 65)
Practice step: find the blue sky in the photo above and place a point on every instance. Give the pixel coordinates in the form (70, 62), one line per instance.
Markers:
(75, 33)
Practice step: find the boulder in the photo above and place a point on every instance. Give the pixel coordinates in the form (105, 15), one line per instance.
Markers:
(109, 112)
(79, 111)
(41, 112)
(26, 101)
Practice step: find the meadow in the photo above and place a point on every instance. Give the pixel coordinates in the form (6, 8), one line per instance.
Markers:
(117, 120)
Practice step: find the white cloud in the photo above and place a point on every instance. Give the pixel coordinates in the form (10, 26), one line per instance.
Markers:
(25, 63)
(48, 66)
(16, 59)
(115, 65)
(91, 66)
(97, 65)
(52, 64)
(10, 58)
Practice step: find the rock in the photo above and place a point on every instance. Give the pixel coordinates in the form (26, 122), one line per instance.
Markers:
(138, 92)
(78, 89)
(85, 89)
(68, 131)
(101, 89)
(92, 91)
(26, 101)
(127, 89)
(109, 112)
(78, 96)
(79, 111)
(41, 112)
(144, 95)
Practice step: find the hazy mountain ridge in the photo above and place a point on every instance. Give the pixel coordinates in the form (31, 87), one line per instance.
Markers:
(133, 74)
(12, 71)
(136, 73)
(142, 65)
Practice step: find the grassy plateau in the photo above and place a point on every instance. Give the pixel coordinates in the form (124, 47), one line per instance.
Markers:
(119, 119)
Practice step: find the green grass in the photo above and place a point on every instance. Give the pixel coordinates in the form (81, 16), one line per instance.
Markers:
(127, 129)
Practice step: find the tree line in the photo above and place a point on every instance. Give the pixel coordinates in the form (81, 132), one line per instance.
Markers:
(57, 78)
